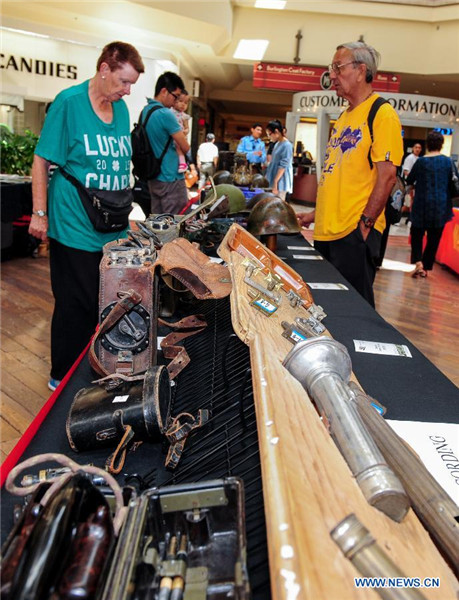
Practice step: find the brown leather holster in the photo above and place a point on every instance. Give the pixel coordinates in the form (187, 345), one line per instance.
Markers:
(184, 261)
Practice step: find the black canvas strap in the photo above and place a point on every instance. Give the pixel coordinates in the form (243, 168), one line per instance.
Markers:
(73, 180)
(370, 119)
(144, 124)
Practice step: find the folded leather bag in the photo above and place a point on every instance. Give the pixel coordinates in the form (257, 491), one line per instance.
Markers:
(108, 210)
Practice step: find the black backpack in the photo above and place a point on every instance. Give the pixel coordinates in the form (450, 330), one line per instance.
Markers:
(394, 204)
(146, 165)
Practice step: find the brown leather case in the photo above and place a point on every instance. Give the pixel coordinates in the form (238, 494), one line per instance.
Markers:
(128, 303)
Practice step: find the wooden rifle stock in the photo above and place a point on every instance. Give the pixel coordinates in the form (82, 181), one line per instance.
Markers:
(438, 512)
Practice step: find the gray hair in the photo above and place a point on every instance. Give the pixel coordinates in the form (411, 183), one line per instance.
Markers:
(210, 137)
(364, 54)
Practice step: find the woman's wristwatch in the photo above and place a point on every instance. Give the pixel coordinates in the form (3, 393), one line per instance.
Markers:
(40, 213)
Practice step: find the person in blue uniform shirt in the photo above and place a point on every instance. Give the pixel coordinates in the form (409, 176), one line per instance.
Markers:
(253, 146)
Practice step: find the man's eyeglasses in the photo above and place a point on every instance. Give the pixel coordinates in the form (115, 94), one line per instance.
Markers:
(176, 96)
(336, 68)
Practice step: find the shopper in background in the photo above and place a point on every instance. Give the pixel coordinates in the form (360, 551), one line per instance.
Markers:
(179, 109)
(352, 193)
(280, 168)
(432, 205)
(86, 133)
(254, 147)
(408, 164)
(207, 159)
(168, 191)
(411, 159)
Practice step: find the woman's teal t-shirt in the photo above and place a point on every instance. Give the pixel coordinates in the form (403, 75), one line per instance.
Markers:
(98, 154)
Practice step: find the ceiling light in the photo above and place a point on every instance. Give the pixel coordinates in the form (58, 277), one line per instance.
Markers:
(276, 4)
(251, 49)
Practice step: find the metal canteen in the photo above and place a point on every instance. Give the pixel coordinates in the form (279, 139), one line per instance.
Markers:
(323, 367)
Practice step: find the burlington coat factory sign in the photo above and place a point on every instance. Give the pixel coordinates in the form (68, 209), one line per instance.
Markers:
(410, 107)
(278, 76)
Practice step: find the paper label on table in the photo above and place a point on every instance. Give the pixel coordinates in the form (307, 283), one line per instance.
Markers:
(327, 286)
(382, 348)
(437, 445)
(308, 257)
(120, 399)
(303, 248)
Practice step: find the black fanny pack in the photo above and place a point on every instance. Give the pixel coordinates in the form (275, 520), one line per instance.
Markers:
(107, 210)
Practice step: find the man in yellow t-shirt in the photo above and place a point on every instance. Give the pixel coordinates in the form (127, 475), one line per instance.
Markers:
(358, 175)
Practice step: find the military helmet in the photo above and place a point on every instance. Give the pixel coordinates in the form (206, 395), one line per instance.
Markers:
(272, 215)
(255, 199)
(259, 181)
(222, 177)
(235, 196)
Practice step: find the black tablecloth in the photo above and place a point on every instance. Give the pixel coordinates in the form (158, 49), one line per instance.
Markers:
(410, 388)
(16, 200)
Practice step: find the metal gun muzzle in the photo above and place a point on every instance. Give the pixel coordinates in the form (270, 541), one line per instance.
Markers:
(359, 546)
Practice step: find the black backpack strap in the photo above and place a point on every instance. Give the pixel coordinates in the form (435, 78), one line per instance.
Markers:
(370, 119)
(148, 115)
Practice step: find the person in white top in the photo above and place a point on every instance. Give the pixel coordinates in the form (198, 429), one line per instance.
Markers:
(207, 159)
(411, 159)
(408, 164)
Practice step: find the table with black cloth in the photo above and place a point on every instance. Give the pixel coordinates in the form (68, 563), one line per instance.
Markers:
(16, 202)
(16, 198)
(218, 378)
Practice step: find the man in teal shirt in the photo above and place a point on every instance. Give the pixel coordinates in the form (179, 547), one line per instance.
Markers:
(168, 191)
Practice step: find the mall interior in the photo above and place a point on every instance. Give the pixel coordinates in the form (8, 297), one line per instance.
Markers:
(281, 486)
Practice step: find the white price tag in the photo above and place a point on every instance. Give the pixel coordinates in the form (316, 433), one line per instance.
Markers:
(303, 248)
(327, 286)
(120, 399)
(308, 257)
(159, 339)
(216, 259)
(382, 348)
(437, 445)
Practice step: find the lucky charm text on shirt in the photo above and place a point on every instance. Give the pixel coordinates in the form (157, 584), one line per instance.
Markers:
(111, 148)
